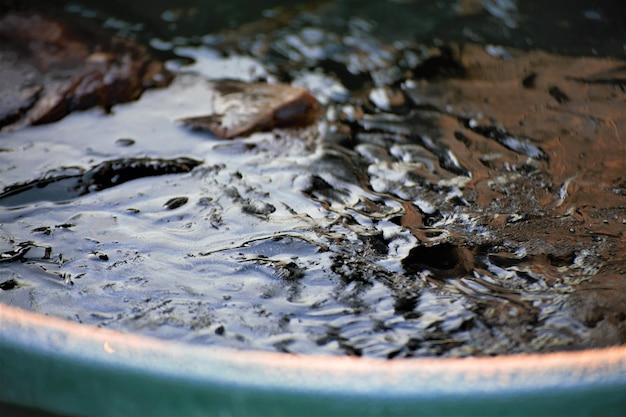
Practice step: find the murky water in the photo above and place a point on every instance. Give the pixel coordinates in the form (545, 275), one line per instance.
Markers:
(450, 201)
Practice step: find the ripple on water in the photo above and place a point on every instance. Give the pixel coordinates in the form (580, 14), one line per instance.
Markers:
(439, 226)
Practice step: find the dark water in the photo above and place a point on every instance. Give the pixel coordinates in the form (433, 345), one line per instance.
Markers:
(579, 27)
(403, 223)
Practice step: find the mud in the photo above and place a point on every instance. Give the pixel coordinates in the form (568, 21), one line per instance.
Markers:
(452, 199)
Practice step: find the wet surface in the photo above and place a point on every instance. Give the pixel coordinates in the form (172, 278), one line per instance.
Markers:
(452, 198)
(244, 108)
(69, 183)
(51, 67)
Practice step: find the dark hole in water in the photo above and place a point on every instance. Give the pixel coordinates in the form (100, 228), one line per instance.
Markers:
(9, 285)
(348, 79)
(443, 65)
(558, 95)
(529, 80)
(442, 257)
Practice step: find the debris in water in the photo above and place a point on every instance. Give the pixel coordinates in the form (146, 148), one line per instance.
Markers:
(243, 108)
(15, 254)
(69, 183)
(9, 285)
(176, 202)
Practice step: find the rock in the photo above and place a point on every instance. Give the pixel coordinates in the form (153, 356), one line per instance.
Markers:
(243, 108)
(65, 184)
(50, 67)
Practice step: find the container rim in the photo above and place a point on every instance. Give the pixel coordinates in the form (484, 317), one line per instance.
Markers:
(33, 335)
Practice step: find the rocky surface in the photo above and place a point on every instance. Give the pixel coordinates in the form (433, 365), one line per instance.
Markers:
(50, 67)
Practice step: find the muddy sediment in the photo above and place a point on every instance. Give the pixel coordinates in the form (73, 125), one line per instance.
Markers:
(451, 199)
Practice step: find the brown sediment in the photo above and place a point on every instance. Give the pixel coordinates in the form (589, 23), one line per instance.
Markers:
(570, 108)
(50, 68)
(580, 180)
(544, 137)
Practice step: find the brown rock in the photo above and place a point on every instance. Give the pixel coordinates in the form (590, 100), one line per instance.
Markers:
(49, 68)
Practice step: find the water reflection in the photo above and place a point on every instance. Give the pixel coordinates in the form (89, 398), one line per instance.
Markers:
(450, 201)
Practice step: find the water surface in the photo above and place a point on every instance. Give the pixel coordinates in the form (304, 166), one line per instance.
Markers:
(454, 199)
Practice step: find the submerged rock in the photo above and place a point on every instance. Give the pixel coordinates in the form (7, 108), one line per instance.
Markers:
(69, 183)
(243, 108)
(50, 67)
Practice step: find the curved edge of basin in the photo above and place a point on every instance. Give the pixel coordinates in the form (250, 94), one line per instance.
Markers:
(69, 368)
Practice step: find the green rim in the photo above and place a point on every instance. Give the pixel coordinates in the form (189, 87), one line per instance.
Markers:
(72, 369)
